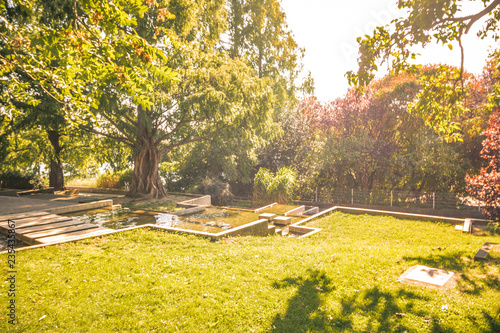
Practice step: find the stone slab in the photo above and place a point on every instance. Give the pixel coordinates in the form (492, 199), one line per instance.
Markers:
(282, 220)
(427, 275)
(467, 226)
(484, 251)
(272, 229)
(267, 216)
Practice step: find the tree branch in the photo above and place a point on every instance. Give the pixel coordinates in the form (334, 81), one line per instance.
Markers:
(196, 139)
(120, 129)
(117, 138)
(473, 18)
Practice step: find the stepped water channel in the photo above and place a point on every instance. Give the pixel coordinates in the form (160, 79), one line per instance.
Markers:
(43, 228)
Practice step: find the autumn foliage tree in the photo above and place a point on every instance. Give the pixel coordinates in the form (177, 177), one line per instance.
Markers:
(486, 185)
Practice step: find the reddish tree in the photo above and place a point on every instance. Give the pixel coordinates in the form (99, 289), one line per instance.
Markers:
(486, 185)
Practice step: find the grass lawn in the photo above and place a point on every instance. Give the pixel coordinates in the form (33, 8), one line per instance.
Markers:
(342, 279)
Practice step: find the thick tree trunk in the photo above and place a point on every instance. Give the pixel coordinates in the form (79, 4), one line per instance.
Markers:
(146, 181)
(56, 175)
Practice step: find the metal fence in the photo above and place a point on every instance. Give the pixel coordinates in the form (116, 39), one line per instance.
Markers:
(406, 199)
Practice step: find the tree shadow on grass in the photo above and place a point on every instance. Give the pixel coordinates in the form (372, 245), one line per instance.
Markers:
(476, 276)
(304, 309)
(378, 309)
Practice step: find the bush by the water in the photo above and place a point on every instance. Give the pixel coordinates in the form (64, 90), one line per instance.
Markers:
(115, 179)
(20, 180)
(219, 191)
(279, 187)
(494, 228)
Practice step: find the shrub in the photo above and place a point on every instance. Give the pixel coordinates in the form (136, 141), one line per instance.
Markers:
(274, 188)
(125, 178)
(493, 228)
(486, 185)
(111, 179)
(20, 180)
(219, 191)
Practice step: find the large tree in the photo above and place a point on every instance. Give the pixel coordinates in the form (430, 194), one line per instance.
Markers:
(214, 94)
(56, 58)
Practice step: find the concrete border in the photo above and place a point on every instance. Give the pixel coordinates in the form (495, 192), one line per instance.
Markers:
(353, 210)
(102, 190)
(205, 200)
(261, 227)
(265, 207)
(79, 207)
(256, 228)
(421, 217)
(296, 211)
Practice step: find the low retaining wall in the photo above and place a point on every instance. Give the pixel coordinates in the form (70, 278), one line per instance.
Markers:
(265, 207)
(257, 228)
(102, 190)
(455, 213)
(296, 211)
(353, 210)
(188, 211)
(311, 211)
(204, 200)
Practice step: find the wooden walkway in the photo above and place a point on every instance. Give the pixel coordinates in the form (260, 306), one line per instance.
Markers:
(43, 228)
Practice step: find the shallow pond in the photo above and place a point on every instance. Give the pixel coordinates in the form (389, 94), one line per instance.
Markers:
(212, 219)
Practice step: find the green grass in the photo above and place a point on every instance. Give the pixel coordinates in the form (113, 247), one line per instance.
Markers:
(343, 279)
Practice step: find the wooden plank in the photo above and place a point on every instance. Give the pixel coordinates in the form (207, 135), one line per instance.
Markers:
(21, 215)
(73, 235)
(35, 221)
(36, 228)
(60, 231)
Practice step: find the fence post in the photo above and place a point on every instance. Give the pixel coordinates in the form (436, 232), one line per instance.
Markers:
(352, 196)
(433, 200)
(316, 197)
(391, 198)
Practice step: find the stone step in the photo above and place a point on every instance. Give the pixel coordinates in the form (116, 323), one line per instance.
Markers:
(267, 216)
(467, 226)
(271, 229)
(282, 220)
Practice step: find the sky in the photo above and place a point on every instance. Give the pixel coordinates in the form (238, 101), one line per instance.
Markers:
(328, 29)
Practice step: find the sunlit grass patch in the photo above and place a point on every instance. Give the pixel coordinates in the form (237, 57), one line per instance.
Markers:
(343, 279)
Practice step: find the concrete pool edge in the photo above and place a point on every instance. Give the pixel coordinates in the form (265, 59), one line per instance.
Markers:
(256, 225)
